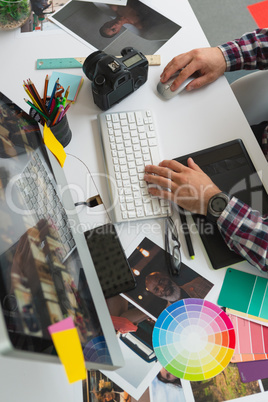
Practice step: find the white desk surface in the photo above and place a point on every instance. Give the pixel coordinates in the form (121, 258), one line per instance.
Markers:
(187, 123)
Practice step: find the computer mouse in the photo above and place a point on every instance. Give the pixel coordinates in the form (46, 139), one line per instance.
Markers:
(164, 88)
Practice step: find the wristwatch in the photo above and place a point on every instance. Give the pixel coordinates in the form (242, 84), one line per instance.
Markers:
(216, 205)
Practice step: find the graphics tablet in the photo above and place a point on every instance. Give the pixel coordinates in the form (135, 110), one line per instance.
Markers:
(231, 169)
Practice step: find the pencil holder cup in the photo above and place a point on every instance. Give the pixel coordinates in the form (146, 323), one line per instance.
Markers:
(61, 130)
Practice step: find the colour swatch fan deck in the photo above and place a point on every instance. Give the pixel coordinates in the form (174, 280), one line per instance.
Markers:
(194, 339)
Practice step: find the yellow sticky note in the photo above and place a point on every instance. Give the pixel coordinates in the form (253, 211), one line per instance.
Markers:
(54, 145)
(69, 349)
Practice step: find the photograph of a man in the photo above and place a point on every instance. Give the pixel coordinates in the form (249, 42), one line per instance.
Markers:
(110, 28)
(156, 289)
(164, 287)
(141, 20)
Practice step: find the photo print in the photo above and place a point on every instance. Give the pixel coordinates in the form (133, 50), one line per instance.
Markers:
(110, 27)
(166, 387)
(99, 388)
(156, 289)
(223, 387)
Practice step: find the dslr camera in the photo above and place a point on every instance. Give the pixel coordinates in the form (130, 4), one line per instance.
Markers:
(114, 78)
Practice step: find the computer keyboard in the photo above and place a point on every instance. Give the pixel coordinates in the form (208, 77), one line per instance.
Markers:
(129, 143)
(38, 190)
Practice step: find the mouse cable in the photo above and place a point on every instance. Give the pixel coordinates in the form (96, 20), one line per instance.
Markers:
(92, 201)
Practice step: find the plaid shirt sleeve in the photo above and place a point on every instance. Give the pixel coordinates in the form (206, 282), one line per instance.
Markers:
(250, 52)
(245, 231)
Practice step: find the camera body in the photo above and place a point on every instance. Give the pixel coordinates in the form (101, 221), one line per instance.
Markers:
(114, 78)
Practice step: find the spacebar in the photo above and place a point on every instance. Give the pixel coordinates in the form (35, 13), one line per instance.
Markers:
(154, 155)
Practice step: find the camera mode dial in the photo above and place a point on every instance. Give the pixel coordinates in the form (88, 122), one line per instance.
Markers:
(126, 51)
(99, 80)
(140, 81)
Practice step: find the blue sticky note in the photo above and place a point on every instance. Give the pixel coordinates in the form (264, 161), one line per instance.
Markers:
(65, 80)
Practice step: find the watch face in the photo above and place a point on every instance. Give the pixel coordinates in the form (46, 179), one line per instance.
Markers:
(218, 204)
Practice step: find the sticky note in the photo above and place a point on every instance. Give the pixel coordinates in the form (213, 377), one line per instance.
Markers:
(62, 325)
(259, 12)
(69, 349)
(54, 145)
(66, 80)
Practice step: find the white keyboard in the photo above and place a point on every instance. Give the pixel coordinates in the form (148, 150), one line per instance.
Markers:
(129, 143)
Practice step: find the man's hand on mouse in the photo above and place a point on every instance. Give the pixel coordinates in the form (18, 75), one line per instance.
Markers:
(209, 63)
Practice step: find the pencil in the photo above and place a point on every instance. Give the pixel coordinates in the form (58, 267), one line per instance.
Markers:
(37, 109)
(65, 110)
(30, 95)
(37, 97)
(61, 115)
(45, 89)
(53, 93)
(186, 232)
(67, 93)
(57, 115)
(53, 113)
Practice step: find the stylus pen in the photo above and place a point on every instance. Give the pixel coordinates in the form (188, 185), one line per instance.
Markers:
(186, 232)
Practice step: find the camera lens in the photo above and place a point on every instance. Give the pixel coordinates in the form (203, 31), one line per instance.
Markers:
(90, 63)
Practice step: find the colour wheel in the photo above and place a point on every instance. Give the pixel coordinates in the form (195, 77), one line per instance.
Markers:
(194, 339)
(96, 350)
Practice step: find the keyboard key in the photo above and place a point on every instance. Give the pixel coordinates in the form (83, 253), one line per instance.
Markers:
(132, 214)
(156, 206)
(139, 118)
(131, 117)
(130, 206)
(115, 117)
(148, 209)
(140, 212)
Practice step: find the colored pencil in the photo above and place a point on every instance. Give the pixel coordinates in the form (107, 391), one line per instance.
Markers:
(61, 115)
(57, 115)
(37, 97)
(36, 108)
(53, 93)
(45, 89)
(67, 93)
(53, 113)
(30, 95)
(53, 105)
(65, 110)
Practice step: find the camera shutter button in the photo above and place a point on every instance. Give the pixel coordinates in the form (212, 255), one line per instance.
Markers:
(99, 80)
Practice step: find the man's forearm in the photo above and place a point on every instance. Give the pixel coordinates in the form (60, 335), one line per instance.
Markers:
(246, 232)
(250, 52)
